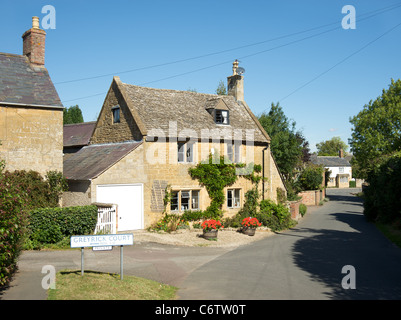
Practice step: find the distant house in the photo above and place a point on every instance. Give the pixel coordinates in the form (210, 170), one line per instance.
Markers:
(341, 170)
(146, 139)
(31, 113)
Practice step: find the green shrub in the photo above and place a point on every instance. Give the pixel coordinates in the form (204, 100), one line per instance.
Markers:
(233, 222)
(382, 201)
(42, 193)
(170, 223)
(302, 209)
(275, 216)
(251, 203)
(50, 225)
(281, 196)
(13, 221)
(311, 177)
(189, 215)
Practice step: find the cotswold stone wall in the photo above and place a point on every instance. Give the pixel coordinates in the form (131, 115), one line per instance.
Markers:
(108, 132)
(31, 138)
(156, 174)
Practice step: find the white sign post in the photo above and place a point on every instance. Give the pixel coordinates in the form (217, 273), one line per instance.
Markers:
(104, 240)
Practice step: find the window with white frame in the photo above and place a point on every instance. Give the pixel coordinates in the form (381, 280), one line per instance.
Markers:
(234, 152)
(221, 117)
(185, 151)
(341, 169)
(182, 200)
(233, 198)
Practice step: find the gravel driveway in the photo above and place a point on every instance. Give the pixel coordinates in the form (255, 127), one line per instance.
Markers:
(226, 238)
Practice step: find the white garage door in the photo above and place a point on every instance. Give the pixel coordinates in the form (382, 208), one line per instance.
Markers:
(129, 198)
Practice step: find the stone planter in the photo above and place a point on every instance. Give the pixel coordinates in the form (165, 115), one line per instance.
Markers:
(248, 231)
(210, 234)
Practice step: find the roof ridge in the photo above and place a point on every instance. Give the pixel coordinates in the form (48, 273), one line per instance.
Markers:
(114, 143)
(12, 54)
(80, 123)
(214, 95)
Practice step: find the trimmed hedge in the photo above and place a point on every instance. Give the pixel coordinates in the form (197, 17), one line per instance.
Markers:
(51, 225)
(382, 200)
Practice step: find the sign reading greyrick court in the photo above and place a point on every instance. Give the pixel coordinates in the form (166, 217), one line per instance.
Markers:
(102, 240)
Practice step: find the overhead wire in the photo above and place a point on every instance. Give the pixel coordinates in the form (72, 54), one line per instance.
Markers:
(362, 17)
(341, 61)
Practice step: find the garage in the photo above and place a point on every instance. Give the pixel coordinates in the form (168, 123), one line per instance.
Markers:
(129, 198)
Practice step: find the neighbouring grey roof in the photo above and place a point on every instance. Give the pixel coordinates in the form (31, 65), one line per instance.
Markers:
(158, 107)
(23, 83)
(93, 160)
(330, 161)
(78, 134)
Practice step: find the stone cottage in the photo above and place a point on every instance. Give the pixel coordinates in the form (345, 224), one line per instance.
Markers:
(31, 113)
(146, 139)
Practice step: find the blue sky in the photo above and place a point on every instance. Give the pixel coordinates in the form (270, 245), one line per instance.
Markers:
(320, 77)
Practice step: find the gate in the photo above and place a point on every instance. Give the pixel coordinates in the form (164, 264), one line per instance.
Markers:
(106, 219)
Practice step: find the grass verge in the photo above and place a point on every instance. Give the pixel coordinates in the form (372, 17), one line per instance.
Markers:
(392, 233)
(70, 285)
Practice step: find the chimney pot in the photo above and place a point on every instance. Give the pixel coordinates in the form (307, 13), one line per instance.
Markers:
(235, 67)
(34, 43)
(235, 84)
(35, 22)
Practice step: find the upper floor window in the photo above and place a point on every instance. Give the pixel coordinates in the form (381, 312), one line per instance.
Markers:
(185, 151)
(221, 117)
(234, 152)
(116, 114)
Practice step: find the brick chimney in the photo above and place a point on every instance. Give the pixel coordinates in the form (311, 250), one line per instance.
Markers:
(34, 43)
(341, 153)
(235, 84)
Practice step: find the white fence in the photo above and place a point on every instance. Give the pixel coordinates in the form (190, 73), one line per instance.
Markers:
(106, 219)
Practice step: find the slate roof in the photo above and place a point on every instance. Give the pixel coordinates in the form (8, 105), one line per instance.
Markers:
(157, 107)
(78, 134)
(93, 160)
(23, 83)
(330, 161)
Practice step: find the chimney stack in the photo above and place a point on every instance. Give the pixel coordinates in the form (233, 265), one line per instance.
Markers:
(341, 153)
(235, 84)
(34, 43)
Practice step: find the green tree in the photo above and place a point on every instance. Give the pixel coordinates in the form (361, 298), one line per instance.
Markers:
(311, 177)
(221, 89)
(331, 147)
(287, 144)
(72, 114)
(377, 129)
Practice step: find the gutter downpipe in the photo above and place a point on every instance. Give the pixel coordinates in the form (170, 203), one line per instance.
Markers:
(263, 172)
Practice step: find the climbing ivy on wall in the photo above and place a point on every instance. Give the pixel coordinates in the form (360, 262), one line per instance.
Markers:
(217, 173)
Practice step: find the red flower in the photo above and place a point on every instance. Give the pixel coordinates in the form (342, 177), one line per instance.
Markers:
(251, 222)
(211, 224)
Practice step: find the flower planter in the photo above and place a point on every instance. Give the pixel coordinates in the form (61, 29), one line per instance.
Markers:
(248, 231)
(249, 226)
(210, 234)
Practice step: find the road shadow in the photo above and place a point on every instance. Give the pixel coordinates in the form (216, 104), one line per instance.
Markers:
(348, 198)
(324, 252)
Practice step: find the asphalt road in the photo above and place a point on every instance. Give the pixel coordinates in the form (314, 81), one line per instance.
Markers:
(303, 263)
(307, 261)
